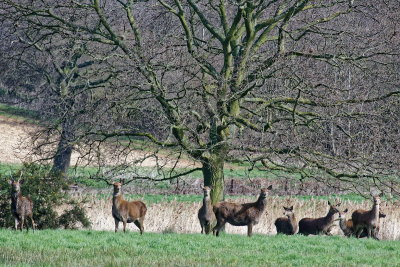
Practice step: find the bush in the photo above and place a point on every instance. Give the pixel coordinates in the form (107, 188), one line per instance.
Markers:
(46, 190)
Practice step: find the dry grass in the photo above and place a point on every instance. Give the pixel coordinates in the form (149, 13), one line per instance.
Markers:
(181, 217)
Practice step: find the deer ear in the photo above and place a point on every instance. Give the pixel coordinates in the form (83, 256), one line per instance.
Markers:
(338, 204)
(329, 203)
(269, 187)
(291, 208)
(21, 181)
(346, 210)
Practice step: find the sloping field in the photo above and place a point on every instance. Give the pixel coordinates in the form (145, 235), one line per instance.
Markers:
(13, 133)
(15, 147)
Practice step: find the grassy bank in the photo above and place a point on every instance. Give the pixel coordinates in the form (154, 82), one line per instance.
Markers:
(96, 248)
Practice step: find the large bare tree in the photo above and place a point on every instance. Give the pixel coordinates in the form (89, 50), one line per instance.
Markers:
(294, 85)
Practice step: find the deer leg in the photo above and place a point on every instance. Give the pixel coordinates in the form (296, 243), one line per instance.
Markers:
(139, 224)
(369, 231)
(249, 230)
(116, 224)
(16, 223)
(22, 222)
(374, 233)
(124, 225)
(33, 224)
(208, 228)
(141, 220)
(218, 227)
(358, 231)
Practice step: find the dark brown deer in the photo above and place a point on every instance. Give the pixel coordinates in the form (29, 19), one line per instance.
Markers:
(286, 225)
(348, 227)
(240, 214)
(21, 207)
(206, 215)
(127, 211)
(317, 226)
(345, 225)
(367, 219)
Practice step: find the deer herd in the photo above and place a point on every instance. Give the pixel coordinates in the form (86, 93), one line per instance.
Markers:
(212, 218)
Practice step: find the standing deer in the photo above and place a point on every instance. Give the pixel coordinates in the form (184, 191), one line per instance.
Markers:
(368, 219)
(21, 207)
(316, 226)
(127, 211)
(240, 214)
(206, 215)
(347, 226)
(288, 224)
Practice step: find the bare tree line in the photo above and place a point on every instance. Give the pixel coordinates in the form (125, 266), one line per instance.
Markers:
(302, 86)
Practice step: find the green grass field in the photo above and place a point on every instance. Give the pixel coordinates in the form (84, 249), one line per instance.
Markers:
(96, 248)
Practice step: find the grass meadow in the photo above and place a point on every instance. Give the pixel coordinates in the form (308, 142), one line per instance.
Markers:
(104, 248)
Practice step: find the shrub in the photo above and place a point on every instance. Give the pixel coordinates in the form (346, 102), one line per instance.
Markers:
(47, 191)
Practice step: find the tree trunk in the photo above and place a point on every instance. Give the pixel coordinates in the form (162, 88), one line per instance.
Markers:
(62, 158)
(213, 173)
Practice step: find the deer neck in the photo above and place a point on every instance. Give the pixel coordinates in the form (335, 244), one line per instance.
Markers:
(207, 202)
(292, 222)
(375, 210)
(15, 195)
(329, 218)
(261, 203)
(342, 224)
(117, 197)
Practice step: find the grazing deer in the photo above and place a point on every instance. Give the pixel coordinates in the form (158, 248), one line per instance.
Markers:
(288, 224)
(348, 227)
(21, 207)
(316, 226)
(127, 211)
(206, 215)
(367, 219)
(240, 214)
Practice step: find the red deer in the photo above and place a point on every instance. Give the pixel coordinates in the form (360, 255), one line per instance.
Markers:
(240, 214)
(288, 224)
(316, 226)
(21, 207)
(126, 211)
(206, 215)
(348, 227)
(368, 219)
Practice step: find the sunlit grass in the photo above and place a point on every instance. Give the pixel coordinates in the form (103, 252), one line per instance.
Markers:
(96, 248)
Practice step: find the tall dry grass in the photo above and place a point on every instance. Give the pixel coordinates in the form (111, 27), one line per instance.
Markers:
(181, 217)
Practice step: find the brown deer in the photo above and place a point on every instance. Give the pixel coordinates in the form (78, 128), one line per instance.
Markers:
(367, 219)
(206, 215)
(286, 225)
(240, 214)
(348, 227)
(127, 211)
(21, 207)
(323, 225)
